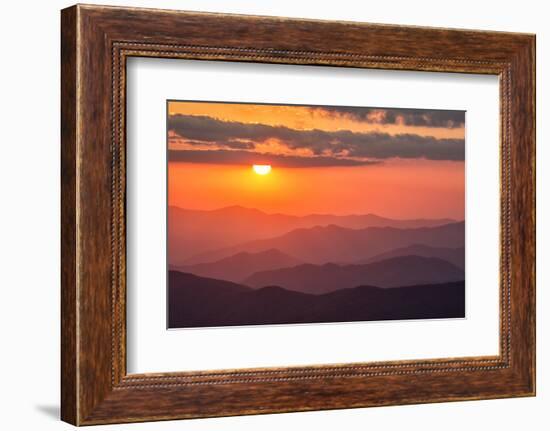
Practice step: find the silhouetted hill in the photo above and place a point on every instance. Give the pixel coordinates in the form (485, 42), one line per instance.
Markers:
(191, 293)
(195, 231)
(454, 255)
(337, 244)
(242, 265)
(393, 272)
(200, 302)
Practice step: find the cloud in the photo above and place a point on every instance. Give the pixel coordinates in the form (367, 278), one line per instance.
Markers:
(408, 117)
(236, 157)
(233, 144)
(213, 134)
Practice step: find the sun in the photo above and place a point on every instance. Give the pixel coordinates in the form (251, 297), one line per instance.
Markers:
(261, 169)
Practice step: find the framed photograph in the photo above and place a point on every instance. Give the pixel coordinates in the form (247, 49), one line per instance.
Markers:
(277, 229)
(266, 215)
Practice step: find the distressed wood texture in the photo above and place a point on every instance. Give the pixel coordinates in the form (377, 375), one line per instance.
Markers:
(96, 41)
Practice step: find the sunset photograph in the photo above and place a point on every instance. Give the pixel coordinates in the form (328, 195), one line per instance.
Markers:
(301, 214)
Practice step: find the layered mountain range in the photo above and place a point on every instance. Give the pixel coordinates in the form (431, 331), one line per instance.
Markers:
(205, 302)
(275, 268)
(194, 232)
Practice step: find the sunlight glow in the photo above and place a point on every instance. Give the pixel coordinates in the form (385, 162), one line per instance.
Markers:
(262, 169)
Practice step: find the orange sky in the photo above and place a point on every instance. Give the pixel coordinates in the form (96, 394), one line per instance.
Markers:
(426, 185)
(298, 117)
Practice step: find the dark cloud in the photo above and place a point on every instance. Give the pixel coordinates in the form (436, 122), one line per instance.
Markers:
(236, 157)
(405, 146)
(333, 145)
(233, 144)
(409, 117)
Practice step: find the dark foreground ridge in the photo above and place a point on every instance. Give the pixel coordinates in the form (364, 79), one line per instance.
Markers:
(205, 302)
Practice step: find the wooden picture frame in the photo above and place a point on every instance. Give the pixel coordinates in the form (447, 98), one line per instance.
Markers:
(96, 41)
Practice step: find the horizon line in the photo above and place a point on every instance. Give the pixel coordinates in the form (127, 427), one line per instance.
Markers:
(452, 219)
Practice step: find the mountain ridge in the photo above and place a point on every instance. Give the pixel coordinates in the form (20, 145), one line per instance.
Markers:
(239, 266)
(322, 244)
(191, 232)
(456, 256)
(388, 273)
(241, 209)
(225, 304)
